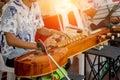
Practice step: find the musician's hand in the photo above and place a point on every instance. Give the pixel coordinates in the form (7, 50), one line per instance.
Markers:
(50, 42)
(60, 33)
(115, 20)
(53, 40)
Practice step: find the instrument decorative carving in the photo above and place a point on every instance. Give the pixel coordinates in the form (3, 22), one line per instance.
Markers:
(31, 65)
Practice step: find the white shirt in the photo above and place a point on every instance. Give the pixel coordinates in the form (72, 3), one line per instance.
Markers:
(18, 19)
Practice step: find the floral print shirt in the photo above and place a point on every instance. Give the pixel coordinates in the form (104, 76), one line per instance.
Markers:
(18, 19)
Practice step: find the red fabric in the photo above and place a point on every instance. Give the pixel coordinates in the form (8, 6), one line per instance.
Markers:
(72, 19)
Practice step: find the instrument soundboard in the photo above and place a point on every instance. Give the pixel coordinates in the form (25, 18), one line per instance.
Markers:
(79, 44)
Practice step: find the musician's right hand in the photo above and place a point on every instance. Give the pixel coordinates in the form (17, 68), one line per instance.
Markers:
(52, 41)
(49, 43)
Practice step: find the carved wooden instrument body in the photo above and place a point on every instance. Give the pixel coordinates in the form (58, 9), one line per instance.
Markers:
(30, 65)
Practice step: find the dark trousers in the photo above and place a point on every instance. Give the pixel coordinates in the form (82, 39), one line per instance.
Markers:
(10, 62)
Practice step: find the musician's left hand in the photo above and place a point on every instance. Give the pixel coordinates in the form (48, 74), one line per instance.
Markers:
(53, 40)
(50, 42)
(59, 33)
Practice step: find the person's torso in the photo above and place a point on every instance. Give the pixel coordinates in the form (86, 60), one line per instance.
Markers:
(25, 22)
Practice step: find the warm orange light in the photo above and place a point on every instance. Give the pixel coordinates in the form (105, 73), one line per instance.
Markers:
(64, 5)
(49, 7)
(54, 6)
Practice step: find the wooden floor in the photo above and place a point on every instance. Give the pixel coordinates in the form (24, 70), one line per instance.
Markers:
(74, 68)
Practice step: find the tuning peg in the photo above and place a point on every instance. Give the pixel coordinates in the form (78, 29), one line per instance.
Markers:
(118, 34)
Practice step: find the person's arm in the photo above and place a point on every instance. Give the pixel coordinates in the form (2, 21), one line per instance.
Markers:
(44, 31)
(49, 32)
(12, 40)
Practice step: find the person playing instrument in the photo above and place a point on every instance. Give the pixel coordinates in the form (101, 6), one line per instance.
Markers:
(20, 21)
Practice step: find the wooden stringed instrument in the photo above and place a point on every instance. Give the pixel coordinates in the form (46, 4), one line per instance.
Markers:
(31, 65)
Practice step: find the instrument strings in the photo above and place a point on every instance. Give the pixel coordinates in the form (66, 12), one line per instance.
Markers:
(73, 39)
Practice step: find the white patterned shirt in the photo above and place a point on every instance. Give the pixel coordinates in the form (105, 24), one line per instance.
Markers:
(18, 19)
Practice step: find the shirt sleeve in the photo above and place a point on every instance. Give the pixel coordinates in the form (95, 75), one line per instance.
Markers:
(38, 12)
(8, 20)
(41, 23)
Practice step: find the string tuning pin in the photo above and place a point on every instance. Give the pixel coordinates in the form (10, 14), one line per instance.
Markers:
(118, 34)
